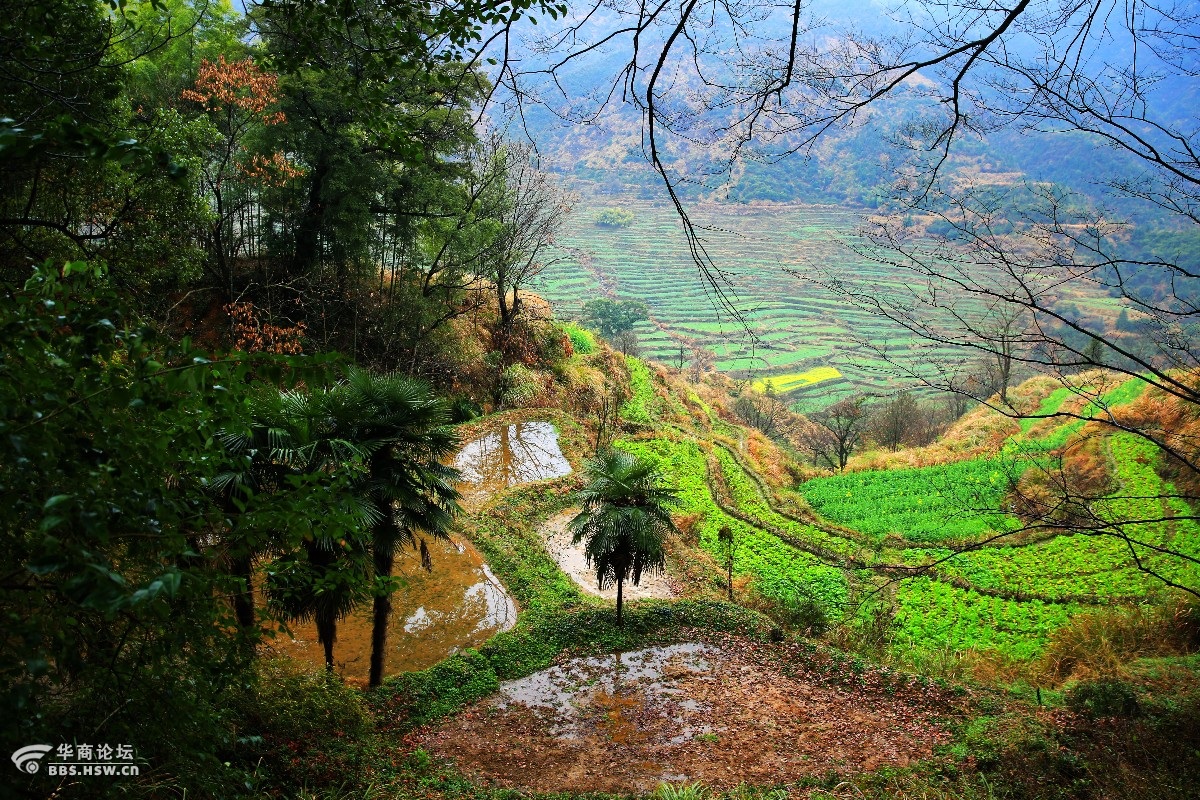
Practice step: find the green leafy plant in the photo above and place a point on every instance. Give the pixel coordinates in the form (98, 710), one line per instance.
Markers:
(1104, 698)
(614, 218)
(682, 791)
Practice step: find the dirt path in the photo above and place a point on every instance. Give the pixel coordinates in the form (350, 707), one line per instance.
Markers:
(572, 561)
(724, 712)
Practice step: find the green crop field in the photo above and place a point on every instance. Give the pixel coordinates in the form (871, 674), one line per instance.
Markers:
(937, 541)
(798, 326)
(958, 501)
(779, 571)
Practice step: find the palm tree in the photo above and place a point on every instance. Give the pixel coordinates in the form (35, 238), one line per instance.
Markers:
(254, 469)
(404, 430)
(384, 436)
(624, 520)
(328, 575)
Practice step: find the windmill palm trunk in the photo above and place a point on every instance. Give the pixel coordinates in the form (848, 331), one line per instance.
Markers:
(620, 603)
(327, 635)
(243, 600)
(384, 562)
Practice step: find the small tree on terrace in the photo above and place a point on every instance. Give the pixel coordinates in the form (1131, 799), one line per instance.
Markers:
(835, 433)
(624, 520)
(612, 318)
(529, 210)
(897, 421)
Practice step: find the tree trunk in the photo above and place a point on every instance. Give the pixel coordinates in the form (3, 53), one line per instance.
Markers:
(502, 303)
(243, 601)
(308, 232)
(384, 561)
(327, 634)
(729, 578)
(620, 587)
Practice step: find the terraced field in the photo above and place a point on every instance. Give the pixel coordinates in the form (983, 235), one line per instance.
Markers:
(798, 325)
(933, 539)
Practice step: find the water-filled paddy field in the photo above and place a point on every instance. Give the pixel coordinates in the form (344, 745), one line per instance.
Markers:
(458, 602)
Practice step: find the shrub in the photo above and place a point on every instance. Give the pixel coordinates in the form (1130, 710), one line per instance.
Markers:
(464, 409)
(1104, 698)
(582, 340)
(614, 218)
(291, 702)
(683, 791)
(297, 726)
(419, 697)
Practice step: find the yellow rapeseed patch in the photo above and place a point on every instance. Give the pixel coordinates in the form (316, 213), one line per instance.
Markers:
(795, 380)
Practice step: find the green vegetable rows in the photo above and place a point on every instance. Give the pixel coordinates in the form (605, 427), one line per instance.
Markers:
(780, 571)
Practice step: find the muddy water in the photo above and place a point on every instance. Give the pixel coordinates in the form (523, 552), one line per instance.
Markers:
(508, 456)
(435, 614)
(460, 603)
(619, 685)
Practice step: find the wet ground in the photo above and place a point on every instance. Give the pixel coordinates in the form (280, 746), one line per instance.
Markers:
(723, 712)
(458, 604)
(508, 456)
(571, 560)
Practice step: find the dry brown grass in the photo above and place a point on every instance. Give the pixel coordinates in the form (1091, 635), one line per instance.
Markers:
(1104, 643)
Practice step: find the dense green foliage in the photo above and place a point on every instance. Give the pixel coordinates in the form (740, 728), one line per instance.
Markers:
(582, 340)
(275, 193)
(117, 546)
(614, 218)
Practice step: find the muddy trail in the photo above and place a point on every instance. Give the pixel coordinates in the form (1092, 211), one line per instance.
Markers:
(720, 709)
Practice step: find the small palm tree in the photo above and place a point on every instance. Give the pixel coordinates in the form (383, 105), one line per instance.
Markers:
(329, 574)
(403, 427)
(625, 519)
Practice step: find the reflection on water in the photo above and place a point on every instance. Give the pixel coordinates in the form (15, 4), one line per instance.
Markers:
(460, 603)
(435, 614)
(572, 689)
(511, 455)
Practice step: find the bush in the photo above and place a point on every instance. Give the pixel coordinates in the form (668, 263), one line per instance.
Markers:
(1104, 698)
(297, 726)
(804, 613)
(464, 409)
(614, 218)
(582, 340)
(290, 702)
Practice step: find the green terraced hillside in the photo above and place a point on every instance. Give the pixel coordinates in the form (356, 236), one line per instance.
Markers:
(799, 326)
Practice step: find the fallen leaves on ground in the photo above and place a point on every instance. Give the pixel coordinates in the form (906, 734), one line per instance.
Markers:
(745, 712)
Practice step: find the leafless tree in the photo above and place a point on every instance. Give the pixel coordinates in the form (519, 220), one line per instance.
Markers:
(892, 422)
(529, 210)
(835, 433)
(764, 411)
